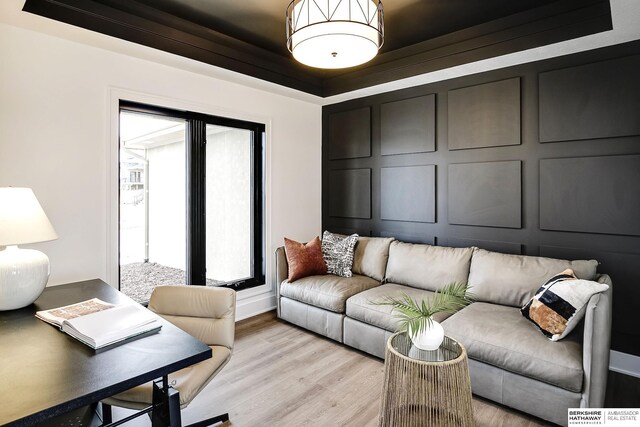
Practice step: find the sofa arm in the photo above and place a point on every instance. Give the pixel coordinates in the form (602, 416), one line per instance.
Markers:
(596, 345)
(282, 272)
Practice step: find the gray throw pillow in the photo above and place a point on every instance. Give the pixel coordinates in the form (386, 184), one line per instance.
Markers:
(337, 251)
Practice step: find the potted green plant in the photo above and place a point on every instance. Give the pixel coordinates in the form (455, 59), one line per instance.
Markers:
(416, 317)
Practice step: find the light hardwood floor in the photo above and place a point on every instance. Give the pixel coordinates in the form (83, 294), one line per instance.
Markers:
(282, 375)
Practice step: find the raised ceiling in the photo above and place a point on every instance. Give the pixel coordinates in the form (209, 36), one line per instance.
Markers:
(248, 36)
(407, 22)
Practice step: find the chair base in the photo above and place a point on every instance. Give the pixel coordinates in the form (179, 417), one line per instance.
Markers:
(211, 421)
(107, 418)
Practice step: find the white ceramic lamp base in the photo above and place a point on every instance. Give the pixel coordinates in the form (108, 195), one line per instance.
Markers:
(23, 276)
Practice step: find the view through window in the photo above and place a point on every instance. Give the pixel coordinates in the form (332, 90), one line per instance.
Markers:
(152, 203)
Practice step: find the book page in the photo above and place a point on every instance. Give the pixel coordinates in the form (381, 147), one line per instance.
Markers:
(56, 316)
(111, 325)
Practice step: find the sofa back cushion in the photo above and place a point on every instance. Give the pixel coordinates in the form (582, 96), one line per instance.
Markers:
(371, 255)
(513, 279)
(427, 267)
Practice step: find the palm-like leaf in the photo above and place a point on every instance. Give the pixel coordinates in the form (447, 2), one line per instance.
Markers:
(417, 316)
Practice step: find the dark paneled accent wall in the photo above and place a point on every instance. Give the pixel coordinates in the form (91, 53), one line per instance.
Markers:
(408, 193)
(351, 132)
(538, 159)
(591, 194)
(563, 100)
(484, 115)
(408, 126)
(487, 194)
(351, 195)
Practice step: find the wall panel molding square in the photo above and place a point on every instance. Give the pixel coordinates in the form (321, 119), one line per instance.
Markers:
(350, 134)
(408, 126)
(350, 193)
(597, 100)
(486, 194)
(486, 115)
(408, 193)
(591, 194)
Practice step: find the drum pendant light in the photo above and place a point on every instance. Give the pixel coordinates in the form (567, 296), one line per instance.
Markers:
(334, 33)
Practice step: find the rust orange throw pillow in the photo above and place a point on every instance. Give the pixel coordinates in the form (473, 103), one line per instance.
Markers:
(304, 259)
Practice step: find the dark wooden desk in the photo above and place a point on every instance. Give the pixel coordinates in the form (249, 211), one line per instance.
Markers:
(45, 372)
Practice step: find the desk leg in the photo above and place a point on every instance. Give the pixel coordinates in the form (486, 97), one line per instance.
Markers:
(166, 402)
(107, 418)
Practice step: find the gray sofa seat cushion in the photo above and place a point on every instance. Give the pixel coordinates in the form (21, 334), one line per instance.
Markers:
(427, 267)
(513, 279)
(327, 291)
(371, 255)
(502, 337)
(360, 307)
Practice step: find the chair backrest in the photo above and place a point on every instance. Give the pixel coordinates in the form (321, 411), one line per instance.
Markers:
(206, 313)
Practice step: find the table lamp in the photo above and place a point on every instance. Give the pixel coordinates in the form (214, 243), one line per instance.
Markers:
(23, 272)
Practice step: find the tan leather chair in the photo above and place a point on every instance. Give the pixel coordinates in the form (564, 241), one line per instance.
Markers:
(208, 314)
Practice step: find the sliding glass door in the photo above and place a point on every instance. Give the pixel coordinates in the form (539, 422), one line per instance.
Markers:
(191, 200)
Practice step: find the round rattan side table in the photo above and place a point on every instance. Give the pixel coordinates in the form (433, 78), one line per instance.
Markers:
(425, 388)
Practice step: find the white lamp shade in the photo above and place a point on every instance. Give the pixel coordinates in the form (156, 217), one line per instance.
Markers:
(334, 45)
(335, 33)
(22, 219)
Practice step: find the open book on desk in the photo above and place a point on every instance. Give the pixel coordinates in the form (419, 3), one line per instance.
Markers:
(99, 324)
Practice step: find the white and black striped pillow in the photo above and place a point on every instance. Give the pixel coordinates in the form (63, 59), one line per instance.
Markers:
(337, 251)
(559, 305)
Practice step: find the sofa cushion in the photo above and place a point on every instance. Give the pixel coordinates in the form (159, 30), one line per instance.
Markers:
(500, 336)
(371, 255)
(360, 306)
(427, 267)
(513, 279)
(327, 291)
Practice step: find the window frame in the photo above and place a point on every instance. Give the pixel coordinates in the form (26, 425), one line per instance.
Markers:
(195, 145)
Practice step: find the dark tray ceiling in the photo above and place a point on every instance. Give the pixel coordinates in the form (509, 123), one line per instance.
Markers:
(249, 36)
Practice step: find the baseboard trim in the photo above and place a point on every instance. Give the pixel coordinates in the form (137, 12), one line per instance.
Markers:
(254, 305)
(624, 363)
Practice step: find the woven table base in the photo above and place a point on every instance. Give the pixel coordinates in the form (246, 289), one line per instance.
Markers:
(420, 393)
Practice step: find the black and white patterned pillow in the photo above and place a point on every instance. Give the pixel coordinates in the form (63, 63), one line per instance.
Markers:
(559, 305)
(337, 251)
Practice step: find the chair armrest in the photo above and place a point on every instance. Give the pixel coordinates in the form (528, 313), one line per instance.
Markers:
(282, 272)
(596, 346)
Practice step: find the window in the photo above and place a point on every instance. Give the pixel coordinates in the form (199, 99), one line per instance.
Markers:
(191, 200)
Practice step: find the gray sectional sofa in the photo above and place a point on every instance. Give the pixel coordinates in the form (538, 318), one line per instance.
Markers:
(510, 361)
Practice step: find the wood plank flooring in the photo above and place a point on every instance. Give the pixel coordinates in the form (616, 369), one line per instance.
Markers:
(282, 375)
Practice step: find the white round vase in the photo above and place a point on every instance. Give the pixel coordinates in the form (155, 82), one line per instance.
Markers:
(430, 338)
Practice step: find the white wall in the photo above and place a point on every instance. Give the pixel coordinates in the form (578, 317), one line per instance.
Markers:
(58, 135)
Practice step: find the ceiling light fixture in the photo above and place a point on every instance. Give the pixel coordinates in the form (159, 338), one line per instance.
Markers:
(334, 33)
